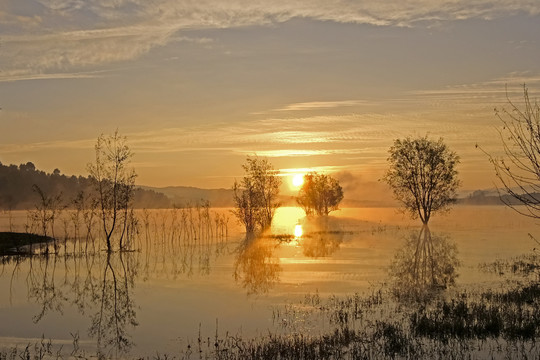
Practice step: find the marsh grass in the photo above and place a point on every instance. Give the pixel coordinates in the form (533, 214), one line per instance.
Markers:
(460, 324)
(498, 323)
(448, 324)
(527, 265)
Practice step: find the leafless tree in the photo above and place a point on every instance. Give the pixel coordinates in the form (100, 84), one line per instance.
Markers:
(114, 182)
(519, 168)
(423, 176)
(46, 212)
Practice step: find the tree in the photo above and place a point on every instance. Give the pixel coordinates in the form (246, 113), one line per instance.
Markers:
(320, 194)
(255, 197)
(114, 182)
(423, 176)
(519, 168)
(46, 211)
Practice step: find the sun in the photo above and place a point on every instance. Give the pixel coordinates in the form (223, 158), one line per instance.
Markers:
(298, 180)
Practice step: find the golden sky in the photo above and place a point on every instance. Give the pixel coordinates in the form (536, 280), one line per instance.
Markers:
(198, 85)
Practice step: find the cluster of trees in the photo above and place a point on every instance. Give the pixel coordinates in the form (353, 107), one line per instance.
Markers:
(320, 194)
(17, 190)
(422, 174)
(107, 196)
(256, 195)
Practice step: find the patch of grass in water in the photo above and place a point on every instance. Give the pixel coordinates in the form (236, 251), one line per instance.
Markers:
(511, 314)
(524, 265)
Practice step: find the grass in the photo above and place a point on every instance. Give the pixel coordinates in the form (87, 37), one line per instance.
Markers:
(492, 324)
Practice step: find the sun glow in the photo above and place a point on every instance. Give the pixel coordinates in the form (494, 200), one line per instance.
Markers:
(298, 180)
(298, 232)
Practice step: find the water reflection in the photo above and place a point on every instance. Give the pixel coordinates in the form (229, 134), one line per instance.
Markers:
(257, 265)
(41, 287)
(100, 285)
(116, 309)
(424, 265)
(256, 268)
(323, 237)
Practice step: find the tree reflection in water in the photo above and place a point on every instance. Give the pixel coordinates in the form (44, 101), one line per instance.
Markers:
(104, 291)
(425, 265)
(322, 236)
(255, 267)
(42, 289)
(181, 242)
(116, 307)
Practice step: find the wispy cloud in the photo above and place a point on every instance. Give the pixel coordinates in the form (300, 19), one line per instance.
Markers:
(20, 76)
(487, 93)
(319, 105)
(57, 36)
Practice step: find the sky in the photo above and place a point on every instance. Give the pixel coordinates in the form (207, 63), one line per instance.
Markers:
(196, 86)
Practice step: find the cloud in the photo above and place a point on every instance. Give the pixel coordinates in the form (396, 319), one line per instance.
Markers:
(57, 36)
(318, 105)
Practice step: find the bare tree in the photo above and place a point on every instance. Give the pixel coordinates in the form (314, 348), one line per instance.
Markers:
(320, 194)
(519, 169)
(114, 182)
(255, 196)
(423, 175)
(46, 211)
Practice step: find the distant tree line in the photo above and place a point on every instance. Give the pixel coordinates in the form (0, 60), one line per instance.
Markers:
(17, 184)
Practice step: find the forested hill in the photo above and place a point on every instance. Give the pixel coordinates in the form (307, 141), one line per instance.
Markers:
(16, 188)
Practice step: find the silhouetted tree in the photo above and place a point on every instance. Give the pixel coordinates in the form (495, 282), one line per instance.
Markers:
(46, 212)
(320, 194)
(519, 169)
(114, 182)
(423, 175)
(16, 188)
(255, 197)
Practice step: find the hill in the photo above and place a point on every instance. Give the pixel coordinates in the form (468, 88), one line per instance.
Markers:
(16, 188)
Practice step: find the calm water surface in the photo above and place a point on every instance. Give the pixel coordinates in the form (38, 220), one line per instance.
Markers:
(160, 297)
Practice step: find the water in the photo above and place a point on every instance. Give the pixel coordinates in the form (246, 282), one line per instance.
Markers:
(162, 297)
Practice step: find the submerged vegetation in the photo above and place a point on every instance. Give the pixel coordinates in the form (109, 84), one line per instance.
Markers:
(415, 313)
(466, 323)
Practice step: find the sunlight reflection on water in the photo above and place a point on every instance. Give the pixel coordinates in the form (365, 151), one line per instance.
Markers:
(201, 278)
